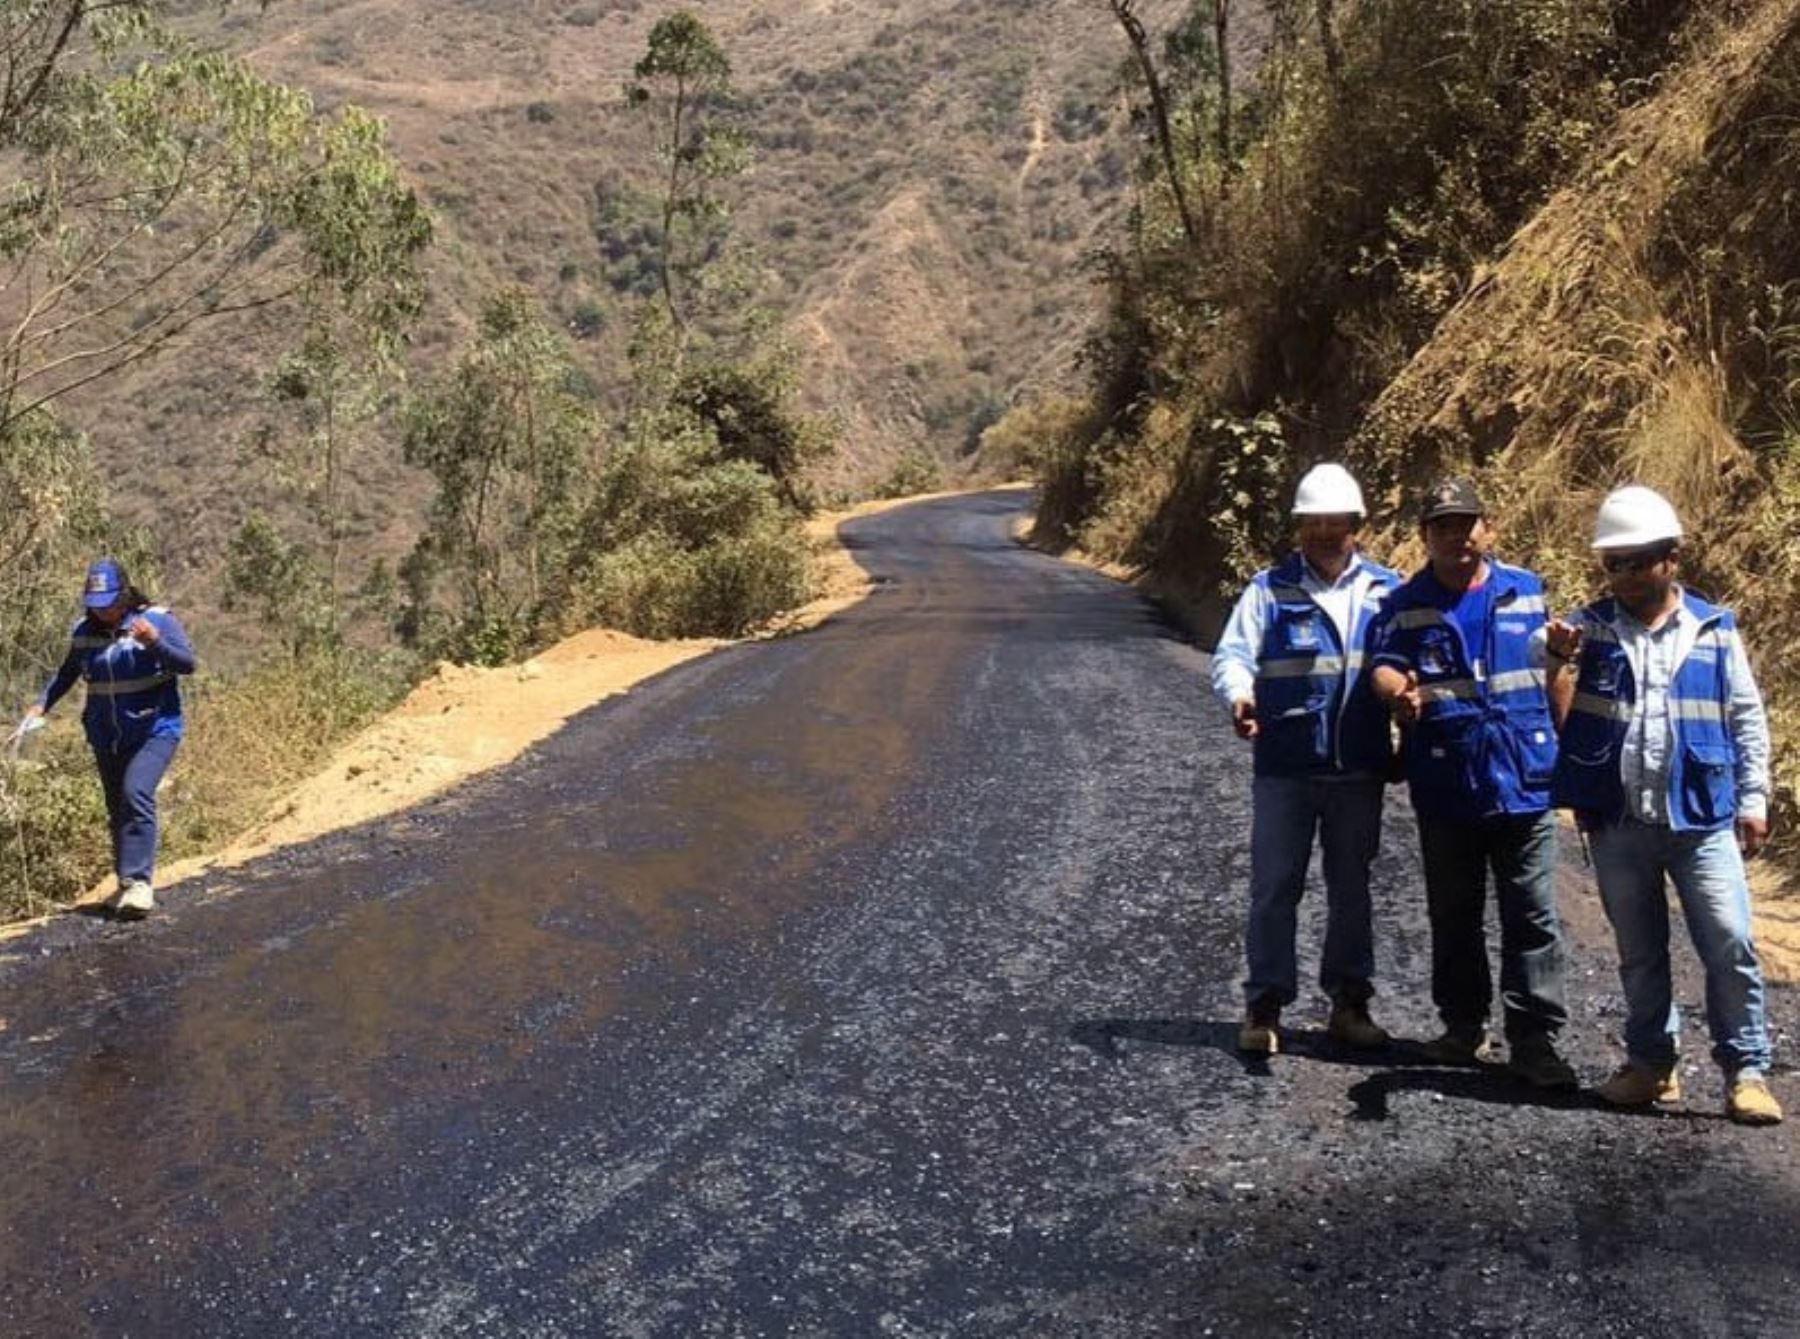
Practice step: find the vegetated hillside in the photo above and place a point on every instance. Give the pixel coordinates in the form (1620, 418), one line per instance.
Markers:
(1560, 261)
(1645, 325)
(929, 174)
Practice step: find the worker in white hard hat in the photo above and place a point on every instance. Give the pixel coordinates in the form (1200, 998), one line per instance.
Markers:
(1288, 667)
(1665, 761)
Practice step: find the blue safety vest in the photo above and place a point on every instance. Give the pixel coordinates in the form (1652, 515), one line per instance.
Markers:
(131, 692)
(1484, 744)
(1314, 711)
(1703, 758)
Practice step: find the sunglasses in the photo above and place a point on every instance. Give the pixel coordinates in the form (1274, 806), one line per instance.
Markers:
(1636, 562)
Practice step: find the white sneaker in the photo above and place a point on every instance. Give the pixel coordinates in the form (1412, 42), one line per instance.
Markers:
(134, 901)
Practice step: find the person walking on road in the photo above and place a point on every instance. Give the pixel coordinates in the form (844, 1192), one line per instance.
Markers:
(1665, 761)
(130, 653)
(1451, 657)
(1288, 667)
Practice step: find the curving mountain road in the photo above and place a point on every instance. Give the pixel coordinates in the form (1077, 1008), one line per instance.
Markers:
(876, 981)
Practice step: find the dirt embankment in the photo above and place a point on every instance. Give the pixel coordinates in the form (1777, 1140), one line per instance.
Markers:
(465, 719)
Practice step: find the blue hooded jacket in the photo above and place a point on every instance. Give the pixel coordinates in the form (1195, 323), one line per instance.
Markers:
(131, 688)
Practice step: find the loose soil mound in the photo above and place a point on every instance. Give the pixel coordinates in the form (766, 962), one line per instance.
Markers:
(466, 719)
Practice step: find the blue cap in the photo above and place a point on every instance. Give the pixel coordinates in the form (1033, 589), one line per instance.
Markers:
(105, 584)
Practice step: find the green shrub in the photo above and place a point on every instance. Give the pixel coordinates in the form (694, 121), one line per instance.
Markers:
(586, 319)
(53, 841)
(918, 471)
(681, 543)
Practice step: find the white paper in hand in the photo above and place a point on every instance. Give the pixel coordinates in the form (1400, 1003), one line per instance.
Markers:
(27, 727)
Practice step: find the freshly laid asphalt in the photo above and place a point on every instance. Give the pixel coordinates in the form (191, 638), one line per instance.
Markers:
(877, 981)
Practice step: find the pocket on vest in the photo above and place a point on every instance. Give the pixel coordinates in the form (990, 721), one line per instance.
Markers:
(1300, 730)
(1706, 782)
(1442, 761)
(1534, 750)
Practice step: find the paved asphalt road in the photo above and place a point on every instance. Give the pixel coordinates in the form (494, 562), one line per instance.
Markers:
(879, 981)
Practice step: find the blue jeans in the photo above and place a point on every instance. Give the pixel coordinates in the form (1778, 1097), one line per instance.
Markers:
(1288, 811)
(1631, 860)
(1520, 849)
(130, 778)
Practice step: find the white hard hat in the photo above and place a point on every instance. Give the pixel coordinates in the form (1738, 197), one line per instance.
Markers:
(1634, 517)
(1328, 490)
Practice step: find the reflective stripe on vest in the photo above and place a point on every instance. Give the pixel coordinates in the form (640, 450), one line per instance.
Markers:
(1450, 690)
(1300, 667)
(123, 687)
(1420, 618)
(1702, 792)
(1511, 681)
(1484, 743)
(1592, 704)
(1316, 714)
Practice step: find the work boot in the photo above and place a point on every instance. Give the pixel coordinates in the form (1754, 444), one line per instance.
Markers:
(135, 901)
(1460, 1044)
(1751, 1103)
(1636, 1085)
(1260, 1033)
(1351, 1024)
(1534, 1059)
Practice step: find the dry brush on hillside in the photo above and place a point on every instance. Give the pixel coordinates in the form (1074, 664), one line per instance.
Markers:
(1558, 263)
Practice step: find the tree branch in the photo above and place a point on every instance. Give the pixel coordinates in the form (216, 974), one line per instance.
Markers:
(1159, 109)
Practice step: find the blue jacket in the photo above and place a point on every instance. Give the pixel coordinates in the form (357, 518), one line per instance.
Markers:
(1704, 757)
(1484, 744)
(131, 691)
(1315, 713)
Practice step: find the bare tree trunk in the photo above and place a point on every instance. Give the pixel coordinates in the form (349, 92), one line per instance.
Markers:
(1159, 111)
(1222, 40)
(671, 200)
(1328, 41)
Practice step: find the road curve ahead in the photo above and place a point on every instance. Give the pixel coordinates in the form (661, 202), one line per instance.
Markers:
(877, 981)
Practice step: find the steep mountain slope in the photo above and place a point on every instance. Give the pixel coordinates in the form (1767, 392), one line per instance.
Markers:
(928, 176)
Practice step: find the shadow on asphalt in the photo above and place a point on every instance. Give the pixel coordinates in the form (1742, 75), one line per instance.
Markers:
(97, 911)
(1402, 1066)
(1484, 1083)
(1104, 1034)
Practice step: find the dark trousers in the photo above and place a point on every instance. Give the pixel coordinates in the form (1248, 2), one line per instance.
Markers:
(129, 778)
(1520, 850)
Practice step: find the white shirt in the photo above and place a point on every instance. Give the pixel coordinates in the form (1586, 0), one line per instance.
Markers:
(1234, 658)
(1646, 755)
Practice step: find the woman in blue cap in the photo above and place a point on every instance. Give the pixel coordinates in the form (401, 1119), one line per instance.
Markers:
(130, 653)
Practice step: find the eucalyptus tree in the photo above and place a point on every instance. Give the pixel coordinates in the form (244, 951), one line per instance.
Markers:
(154, 187)
(509, 443)
(683, 81)
(158, 185)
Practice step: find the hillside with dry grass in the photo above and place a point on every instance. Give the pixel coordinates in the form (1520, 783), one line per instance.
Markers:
(928, 177)
(1640, 327)
(1559, 261)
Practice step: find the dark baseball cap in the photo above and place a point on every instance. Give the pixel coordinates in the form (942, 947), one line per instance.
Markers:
(105, 583)
(1450, 497)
